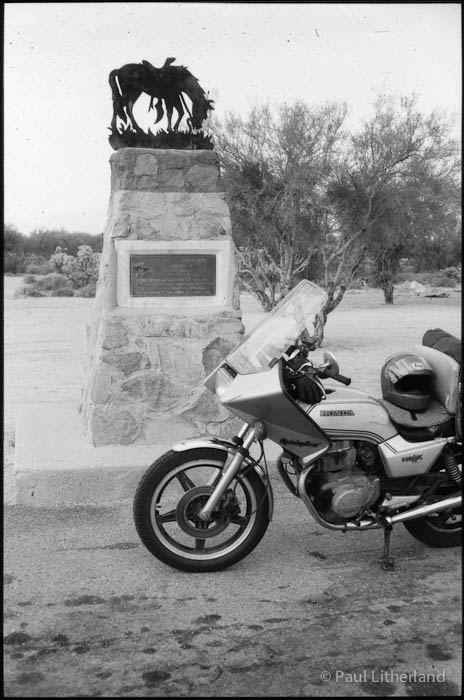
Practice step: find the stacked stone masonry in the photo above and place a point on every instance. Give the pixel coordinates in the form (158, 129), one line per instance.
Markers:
(145, 367)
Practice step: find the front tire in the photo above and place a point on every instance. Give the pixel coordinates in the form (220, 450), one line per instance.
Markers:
(173, 491)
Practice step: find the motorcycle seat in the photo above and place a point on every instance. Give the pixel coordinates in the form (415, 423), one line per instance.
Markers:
(446, 385)
(413, 426)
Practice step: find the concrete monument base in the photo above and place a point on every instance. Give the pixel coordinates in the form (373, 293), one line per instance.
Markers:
(55, 465)
(148, 378)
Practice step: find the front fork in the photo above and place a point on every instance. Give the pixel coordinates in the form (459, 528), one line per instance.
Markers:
(244, 440)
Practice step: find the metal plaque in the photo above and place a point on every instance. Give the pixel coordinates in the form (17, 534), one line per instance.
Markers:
(178, 275)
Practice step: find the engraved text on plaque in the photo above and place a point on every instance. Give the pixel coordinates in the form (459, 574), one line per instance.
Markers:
(177, 275)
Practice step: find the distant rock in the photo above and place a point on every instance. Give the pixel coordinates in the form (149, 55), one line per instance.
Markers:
(421, 290)
(433, 292)
(417, 288)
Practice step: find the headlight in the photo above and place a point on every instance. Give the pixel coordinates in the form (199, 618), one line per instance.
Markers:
(223, 379)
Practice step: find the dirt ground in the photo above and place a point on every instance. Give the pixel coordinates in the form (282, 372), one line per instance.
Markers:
(310, 613)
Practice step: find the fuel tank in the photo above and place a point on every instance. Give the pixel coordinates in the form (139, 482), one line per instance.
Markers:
(352, 414)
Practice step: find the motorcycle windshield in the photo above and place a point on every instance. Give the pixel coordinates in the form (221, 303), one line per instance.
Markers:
(295, 315)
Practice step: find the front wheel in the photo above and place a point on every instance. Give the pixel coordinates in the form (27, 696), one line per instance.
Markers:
(170, 496)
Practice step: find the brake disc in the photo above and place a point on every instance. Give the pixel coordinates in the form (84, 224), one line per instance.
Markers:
(188, 518)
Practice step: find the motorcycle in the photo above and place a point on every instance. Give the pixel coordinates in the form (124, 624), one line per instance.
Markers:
(356, 462)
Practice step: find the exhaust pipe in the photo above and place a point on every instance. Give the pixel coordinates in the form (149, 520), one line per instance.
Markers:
(421, 511)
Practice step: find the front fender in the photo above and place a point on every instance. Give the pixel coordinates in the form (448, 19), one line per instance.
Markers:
(228, 447)
(195, 443)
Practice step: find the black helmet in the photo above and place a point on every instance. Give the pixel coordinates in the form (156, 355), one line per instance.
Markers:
(406, 381)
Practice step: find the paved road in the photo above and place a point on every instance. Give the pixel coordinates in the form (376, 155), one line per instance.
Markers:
(89, 612)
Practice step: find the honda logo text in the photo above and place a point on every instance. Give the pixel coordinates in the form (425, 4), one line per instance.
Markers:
(337, 413)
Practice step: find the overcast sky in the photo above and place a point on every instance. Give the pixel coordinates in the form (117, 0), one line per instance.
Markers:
(58, 56)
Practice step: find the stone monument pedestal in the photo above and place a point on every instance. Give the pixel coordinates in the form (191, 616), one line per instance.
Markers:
(167, 307)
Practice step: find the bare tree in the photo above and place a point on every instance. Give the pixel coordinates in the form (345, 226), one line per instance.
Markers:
(308, 199)
(399, 183)
(276, 167)
(292, 212)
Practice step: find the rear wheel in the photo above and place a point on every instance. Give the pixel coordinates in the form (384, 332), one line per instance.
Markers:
(438, 530)
(168, 501)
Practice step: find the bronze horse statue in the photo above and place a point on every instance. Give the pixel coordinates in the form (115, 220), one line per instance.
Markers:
(166, 84)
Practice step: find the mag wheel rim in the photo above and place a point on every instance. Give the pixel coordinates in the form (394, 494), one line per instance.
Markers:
(448, 521)
(177, 500)
(188, 514)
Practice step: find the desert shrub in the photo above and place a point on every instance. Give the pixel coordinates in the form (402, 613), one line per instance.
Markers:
(425, 277)
(13, 250)
(443, 281)
(81, 270)
(38, 268)
(13, 263)
(36, 264)
(29, 291)
(88, 263)
(454, 272)
(44, 241)
(52, 281)
(60, 260)
(30, 279)
(88, 290)
(62, 292)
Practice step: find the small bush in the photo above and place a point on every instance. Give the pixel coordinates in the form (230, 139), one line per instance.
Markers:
(52, 281)
(13, 263)
(62, 292)
(454, 272)
(442, 281)
(30, 279)
(88, 291)
(38, 268)
(37, 264)
(81, 270)
(29, 291)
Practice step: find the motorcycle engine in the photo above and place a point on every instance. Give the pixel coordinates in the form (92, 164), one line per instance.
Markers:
(344, 484)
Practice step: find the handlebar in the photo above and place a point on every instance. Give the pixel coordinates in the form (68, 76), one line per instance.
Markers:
(342, 379)
(331, 365)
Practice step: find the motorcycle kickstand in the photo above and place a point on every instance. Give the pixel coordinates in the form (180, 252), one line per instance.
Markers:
(387, 562)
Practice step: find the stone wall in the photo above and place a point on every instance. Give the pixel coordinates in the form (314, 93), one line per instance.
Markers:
(145, 366)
